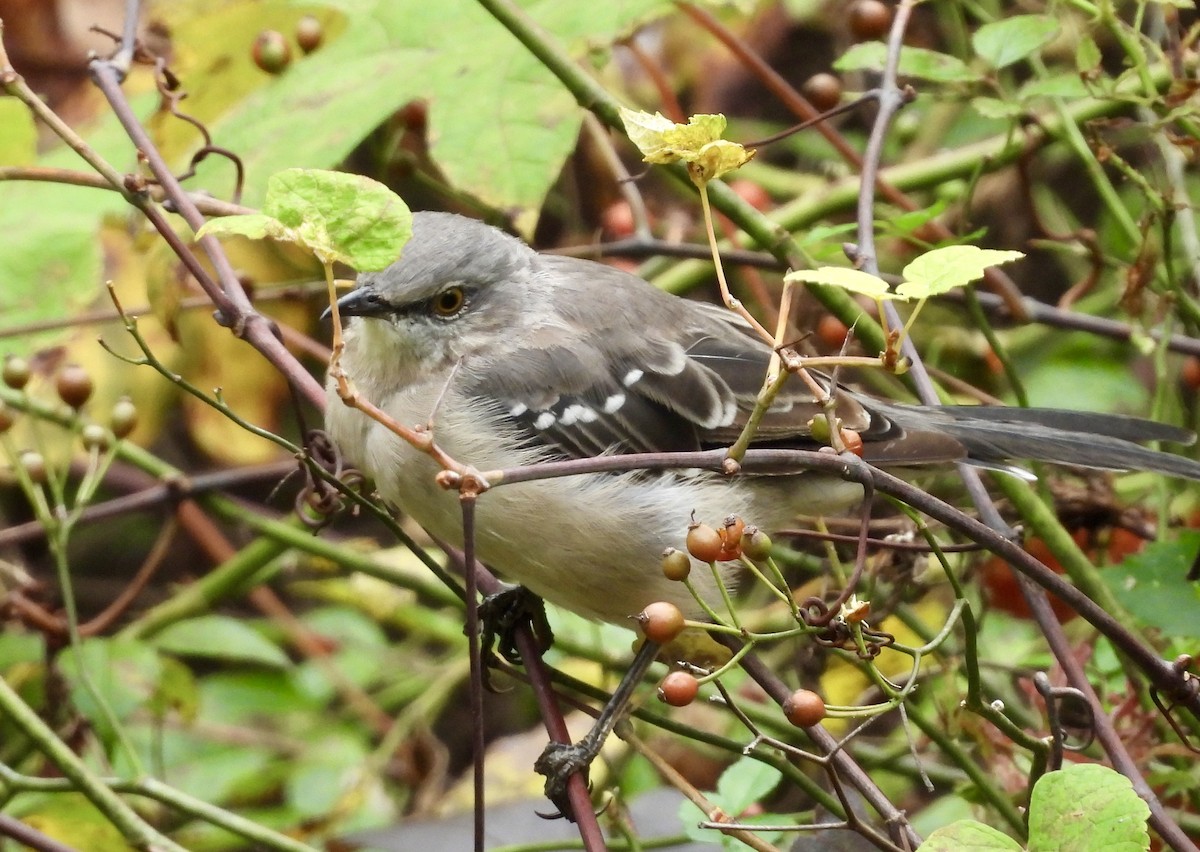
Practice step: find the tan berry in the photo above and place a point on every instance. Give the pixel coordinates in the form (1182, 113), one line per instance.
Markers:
(94, 436)
(34, 465)
(124, 417)
(756, 544)
(309, 33)
(676, 565)
(804, 708)
(16, 372)
(678, 689)
(661, 622)
(704, 543)
(852, 441)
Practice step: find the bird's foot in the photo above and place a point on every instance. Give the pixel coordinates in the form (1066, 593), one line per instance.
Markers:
(558, 763)
(503, 613)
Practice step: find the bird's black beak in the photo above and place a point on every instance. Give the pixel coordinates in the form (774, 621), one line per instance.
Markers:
(362, 301)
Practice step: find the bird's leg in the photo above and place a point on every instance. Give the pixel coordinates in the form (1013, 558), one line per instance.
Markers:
(502, 613)
(561, 760)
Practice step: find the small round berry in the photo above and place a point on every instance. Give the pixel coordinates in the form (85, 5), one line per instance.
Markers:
(74, 386)
(853, 441)
(617, 220)
(124, 417)
(869, 19)
(34, 465)
(818, 428)
(271, 52)
(756, 544)
(752, 193)
(678, 689)
(94, 436)
(661, 622)
(676, 565)
(309, 33)
(823, 90)
(732, 531)
(1189, 373)
(804, 708)
(704, 543)
(16, 371)
(832, 332)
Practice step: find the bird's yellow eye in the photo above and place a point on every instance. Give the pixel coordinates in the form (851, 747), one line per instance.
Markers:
(449, 302)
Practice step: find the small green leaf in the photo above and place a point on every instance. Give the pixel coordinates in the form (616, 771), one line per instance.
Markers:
(996, 108)
(1153, 585)
(340, 217)
(914, 62)
(221, 638)
(1057, 86)
(1087, 807)
(125, 673)
(968, 835)
(1087, 55)
(944, 269)
(252, 226)
(1004, 42)
(745, 782)
(854, 280)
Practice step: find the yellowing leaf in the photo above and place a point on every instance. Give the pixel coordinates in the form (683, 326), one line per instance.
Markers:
(941, 270)
(697, 143)
(854, 280)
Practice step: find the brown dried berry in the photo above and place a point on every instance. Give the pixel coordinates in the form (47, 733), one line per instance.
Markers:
(804, 708)
(74, 386)
(704, 543)
(310, 32)
(678, 689)
(271, 52)
(16, 372)
(869, 19)
(823, 90)
(661, 622)
(676, 565)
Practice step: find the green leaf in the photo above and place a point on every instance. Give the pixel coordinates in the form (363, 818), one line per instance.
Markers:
(125, 673)
(1056, 86)
(854, 280)
(744, 783)
(1004, 42)
(970, 836)
(944, 269)
(1087, 55)
(914, 62)
(219, 637)
(1153, 585)
(340, 217)
(996, 107)
(18, 135)
(1087, 808)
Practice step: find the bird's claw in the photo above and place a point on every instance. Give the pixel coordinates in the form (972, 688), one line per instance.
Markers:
(503, 613)
(558, 762)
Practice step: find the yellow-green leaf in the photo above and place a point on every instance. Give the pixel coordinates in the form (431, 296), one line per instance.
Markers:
(854, 280)
(943, 269)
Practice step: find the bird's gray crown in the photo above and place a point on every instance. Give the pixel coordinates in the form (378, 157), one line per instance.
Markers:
(447, 248)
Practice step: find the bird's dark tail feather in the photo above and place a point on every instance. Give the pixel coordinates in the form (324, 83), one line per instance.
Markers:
(992, 435)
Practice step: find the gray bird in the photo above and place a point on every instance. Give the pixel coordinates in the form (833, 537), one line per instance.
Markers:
(517, 357)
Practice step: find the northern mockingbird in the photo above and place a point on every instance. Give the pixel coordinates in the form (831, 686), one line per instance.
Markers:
(518, 357)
